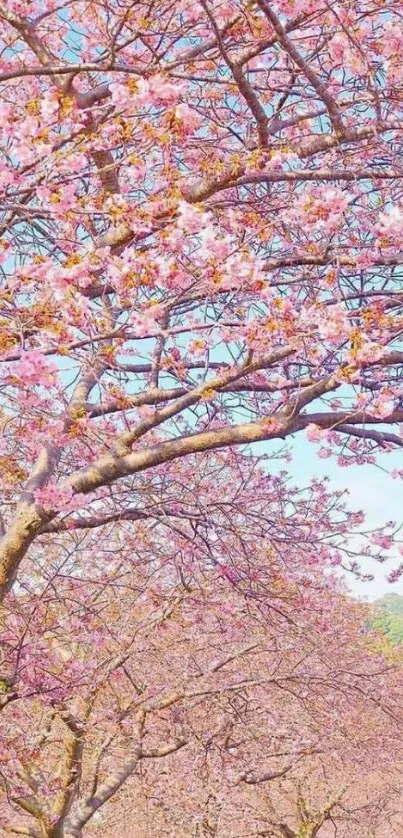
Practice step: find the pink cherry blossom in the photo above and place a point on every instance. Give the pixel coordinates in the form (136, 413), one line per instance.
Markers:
(35, 368)
(314, 433)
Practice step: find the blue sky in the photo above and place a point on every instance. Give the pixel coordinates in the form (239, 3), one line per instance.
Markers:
(371, 489)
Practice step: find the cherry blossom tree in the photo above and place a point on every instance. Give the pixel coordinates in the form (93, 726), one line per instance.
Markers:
(200, 239)
(200, 214)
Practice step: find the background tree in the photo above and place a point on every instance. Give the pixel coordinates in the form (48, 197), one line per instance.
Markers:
(389, 616)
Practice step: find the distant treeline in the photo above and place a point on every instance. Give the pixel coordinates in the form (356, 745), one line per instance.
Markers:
(389, 616)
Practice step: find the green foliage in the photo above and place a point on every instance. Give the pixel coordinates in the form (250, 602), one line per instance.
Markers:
(389, 616)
